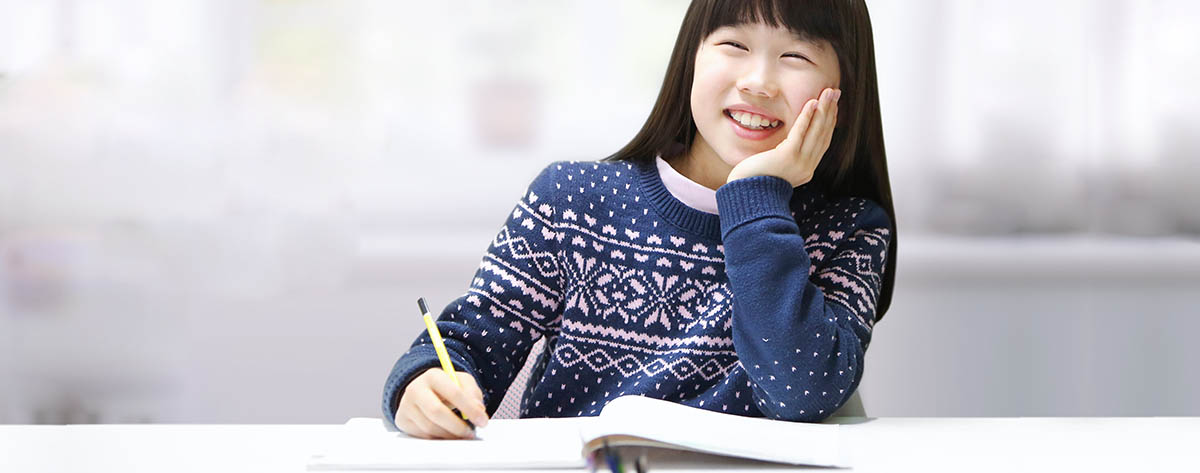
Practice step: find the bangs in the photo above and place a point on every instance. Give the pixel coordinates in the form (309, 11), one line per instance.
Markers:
(807, 19)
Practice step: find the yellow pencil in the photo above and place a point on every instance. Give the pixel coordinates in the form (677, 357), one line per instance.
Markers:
(440, 347)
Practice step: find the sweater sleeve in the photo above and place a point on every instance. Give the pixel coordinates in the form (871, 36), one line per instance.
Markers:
(513, 300)
(800, 333)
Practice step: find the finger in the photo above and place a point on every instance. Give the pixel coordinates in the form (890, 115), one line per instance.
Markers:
(403, 418)
(455, 397)
(831, 126)
(426, 402)
(469, 385)
(460, 397)
(820, 117)
(795, 136)
(473, 391)
(426, 428)
(443, 418)
(812, 137)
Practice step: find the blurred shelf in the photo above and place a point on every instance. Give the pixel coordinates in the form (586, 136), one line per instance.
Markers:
(1084, 258)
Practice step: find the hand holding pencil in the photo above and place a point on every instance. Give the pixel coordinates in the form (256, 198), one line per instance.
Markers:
(428, 405)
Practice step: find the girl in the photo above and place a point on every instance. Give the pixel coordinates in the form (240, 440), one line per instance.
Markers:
(734, 256)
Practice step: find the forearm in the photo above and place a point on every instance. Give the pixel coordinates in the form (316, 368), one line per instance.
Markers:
(513, 301)
(802, 357)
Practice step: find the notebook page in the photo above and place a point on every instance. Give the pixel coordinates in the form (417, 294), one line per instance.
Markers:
(698, 429)
(503, 444)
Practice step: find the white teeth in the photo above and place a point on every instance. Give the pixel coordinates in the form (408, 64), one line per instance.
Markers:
(751, 120)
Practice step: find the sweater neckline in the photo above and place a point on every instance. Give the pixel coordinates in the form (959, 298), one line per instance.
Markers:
(690, 192)
(672, 209)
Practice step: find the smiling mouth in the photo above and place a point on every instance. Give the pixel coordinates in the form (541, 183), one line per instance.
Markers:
(751, 121)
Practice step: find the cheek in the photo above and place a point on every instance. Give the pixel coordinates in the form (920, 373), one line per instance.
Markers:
(706, 102)
(710, 82)
(704, 88)
(802, 94)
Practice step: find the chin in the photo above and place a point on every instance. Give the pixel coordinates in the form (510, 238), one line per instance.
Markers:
(731, 157)
(735, 159)
(736, 155)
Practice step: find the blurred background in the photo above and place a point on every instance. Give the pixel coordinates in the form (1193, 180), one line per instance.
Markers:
(221, 211)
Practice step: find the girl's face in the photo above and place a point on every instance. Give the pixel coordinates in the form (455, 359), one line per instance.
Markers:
(760, 74)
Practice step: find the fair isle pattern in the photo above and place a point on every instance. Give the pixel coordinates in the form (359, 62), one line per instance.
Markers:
(599, 360)
(642, 339)
(624, 290)
(612, 289)
(854, 278)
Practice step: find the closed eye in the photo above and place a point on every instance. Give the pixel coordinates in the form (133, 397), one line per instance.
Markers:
(797, 56)
(739, 46)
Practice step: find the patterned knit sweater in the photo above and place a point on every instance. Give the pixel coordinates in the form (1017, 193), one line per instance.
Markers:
(764, 310)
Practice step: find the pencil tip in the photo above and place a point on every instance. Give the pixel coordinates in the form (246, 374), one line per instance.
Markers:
(421, 304)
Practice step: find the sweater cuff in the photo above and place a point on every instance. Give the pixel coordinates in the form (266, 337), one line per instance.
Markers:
(752, 198)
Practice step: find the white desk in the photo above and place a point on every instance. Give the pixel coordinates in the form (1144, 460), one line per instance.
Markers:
(877, 445)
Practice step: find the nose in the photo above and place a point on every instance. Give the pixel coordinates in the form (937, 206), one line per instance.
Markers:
(758, 79)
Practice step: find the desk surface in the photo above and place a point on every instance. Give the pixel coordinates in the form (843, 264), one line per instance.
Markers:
(876, 444)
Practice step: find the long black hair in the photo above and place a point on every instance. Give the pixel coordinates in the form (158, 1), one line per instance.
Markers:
(855, 163)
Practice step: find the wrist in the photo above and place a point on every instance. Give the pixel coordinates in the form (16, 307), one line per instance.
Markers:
(734, 175)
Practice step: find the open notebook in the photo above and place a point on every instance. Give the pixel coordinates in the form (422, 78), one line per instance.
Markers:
(565, 443)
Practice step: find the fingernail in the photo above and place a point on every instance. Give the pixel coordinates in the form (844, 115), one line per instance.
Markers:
(837, 94)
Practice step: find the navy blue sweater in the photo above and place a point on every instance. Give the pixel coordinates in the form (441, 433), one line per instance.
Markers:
(764, 310)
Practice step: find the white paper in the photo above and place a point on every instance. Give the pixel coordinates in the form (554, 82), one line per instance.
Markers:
(503, 444)
(558, 443)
